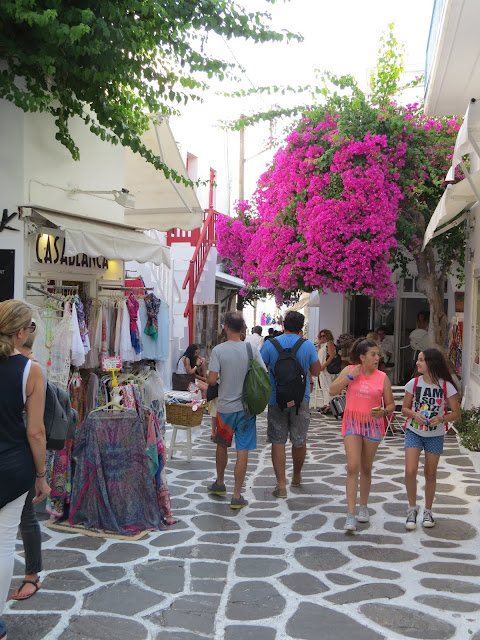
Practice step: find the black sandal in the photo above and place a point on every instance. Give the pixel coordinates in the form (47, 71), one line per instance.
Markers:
(36, 583)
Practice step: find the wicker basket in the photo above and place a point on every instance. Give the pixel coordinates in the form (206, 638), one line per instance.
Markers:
(183, 414)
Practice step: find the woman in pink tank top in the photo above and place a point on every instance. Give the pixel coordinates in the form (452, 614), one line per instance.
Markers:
(369, 400)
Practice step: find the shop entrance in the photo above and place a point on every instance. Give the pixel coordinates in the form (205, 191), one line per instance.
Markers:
(409, 309)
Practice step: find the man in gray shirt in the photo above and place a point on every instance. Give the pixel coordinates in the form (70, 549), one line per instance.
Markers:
(229, 361)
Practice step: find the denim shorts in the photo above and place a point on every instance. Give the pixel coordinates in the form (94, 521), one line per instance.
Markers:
(432, 444)
(369, 433)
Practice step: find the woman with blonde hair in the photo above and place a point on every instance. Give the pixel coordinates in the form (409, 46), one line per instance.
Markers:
(22, 449)
(326, 354)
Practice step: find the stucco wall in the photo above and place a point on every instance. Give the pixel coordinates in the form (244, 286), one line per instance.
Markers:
(11, 183)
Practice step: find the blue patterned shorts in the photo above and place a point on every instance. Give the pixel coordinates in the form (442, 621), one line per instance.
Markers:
(432, 444)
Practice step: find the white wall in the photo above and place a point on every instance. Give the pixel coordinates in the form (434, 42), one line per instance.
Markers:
(50, 172)
(11, 183)
(329, 315)
(471, 382)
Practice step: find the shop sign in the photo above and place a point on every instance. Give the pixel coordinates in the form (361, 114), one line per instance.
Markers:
(51, 250)
(7, 273)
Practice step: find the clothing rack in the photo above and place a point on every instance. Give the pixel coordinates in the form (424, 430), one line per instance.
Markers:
(45, 293)
(120, 288)
(73, 287)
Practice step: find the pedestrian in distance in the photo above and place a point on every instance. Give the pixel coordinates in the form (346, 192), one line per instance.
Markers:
(326, 355)
(22, 447)
(256, 337)
(369, 400)
(229, 366)
(290, 360)
(430, 402)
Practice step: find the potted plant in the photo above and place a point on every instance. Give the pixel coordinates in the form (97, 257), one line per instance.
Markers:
(468, 427)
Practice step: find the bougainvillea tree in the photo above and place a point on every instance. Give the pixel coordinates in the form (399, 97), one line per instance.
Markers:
(347, 200)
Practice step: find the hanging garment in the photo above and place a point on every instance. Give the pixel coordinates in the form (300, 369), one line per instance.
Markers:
(113, 488)
(152, 304)
(155, 349)
(127, 352)
(39, 349)
(58, 371)
(92, 357)
(82, 323)
(118, 327)
(77, 349)
(132, 306)
(155, 437)
(164, 331)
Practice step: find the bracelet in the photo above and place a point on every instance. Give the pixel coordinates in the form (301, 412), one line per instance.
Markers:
(41, 475)
(386, 413)
(350, 377)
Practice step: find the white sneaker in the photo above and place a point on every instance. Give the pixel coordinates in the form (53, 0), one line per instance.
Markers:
(411, 521)
(428, 522)
(350, 522)
(363, 514)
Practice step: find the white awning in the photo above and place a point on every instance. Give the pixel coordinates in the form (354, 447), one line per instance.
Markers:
(160, 202)
(111, 240)
(301, 303)
(232, 281)
(455, 198)
(468, 138)
(464, 194)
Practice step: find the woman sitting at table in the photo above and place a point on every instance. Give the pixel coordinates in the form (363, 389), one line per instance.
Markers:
(191, 362)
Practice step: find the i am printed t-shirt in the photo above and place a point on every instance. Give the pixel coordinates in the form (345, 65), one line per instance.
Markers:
(429, 401)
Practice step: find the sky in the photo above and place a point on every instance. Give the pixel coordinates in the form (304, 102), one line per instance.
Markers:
(340, 36)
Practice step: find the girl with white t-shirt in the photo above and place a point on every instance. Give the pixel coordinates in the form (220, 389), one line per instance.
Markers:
(430, 403)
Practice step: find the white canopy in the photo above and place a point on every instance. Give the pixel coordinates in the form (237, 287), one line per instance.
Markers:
(455, 198)
(113, 241)
(160, 202)
(464, 194)
(468, 138)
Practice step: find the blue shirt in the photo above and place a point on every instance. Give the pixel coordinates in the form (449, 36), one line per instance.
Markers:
(306, 355)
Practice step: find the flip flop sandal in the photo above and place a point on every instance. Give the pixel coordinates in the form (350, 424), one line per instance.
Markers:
(17, 595)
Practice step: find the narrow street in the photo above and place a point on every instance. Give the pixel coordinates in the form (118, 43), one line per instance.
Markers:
(278, 569)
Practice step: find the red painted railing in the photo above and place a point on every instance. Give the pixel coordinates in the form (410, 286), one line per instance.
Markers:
(180, 235)
(205, 242)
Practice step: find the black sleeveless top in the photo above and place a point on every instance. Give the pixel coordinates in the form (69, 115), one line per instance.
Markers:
(17, 470)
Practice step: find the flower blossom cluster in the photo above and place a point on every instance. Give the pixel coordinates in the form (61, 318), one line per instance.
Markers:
(324, 214)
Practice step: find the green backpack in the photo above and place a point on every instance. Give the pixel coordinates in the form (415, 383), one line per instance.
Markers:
(257, 388)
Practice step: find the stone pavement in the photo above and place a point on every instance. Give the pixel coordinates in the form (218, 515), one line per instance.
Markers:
(279, 569)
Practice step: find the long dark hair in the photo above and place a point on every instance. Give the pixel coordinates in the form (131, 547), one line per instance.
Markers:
(360, 348)
(437, 366)
(190, 354)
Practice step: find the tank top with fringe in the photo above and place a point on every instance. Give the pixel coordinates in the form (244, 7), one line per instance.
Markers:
(363, 394)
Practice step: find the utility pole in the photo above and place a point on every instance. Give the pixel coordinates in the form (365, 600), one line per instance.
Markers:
(241, 186)
(241, 175)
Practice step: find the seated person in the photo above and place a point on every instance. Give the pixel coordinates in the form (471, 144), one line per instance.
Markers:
(191, 362)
